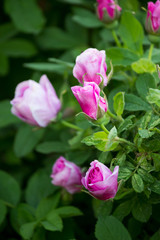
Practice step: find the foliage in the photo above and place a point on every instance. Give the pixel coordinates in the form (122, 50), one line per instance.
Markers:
(38, 37)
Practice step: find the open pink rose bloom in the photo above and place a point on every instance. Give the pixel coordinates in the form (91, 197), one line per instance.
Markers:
(89, 64)
(36, 103)
(153, 17)
(90, 100)
(100, 181)
(108, 10)
(66, 174)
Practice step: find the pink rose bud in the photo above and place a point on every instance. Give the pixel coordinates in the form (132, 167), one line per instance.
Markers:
(66, 174)
(108, 10)
(89, 64)
(100, 181)
(36, 103)
(90, 100)
(153, 18)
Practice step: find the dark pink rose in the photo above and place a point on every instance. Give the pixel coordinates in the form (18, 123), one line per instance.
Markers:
(108, 10)
(153, 18)
(90, 100)
(100, 181)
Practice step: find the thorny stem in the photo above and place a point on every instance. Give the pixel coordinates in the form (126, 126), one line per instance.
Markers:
(150, 51)
(70, 125)
(116, 39)
(120, 119)
(122, 140)
(154, 110)
(104, 129)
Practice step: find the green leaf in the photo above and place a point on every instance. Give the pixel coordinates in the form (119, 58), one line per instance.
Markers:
(54, 146)
(53, 38)
(39, 186)
(27, 229)
(129, 5)
(143, 83)
(46, 67)
(18, 48)
(26, 15)
(137, 183)
(7, 30)
(3, 211)
(124, 173)
(156, 160)
(145, 175)
(39, 234)
(154, 96)
(26, 139)
(86, 18)
(22, 214)
(4, 64)
(143, 65)
(121, 56)
(134, 103)
(141, 210)
(126, 124)
(78, 157)
(53, 223)
(144, 133)
(46, 205)
(119, 103)
(9, 189)
(123, 210)
(111, 228)
(155, 187)
(102, 208)
(131, 36)
(6, 117)
(102, 141)
(68, 211)
(156, 236)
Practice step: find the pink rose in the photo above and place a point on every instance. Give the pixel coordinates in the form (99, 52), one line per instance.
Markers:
(100, 181)
(36, 103)
(66, 174)
(108, 10)
(153, 17)
(90, 100)
(89, 64)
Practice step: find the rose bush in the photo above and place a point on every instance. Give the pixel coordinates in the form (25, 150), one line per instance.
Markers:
(46, 189)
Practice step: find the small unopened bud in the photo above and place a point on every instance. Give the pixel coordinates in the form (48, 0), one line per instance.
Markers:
(108, 10)
(152, 24)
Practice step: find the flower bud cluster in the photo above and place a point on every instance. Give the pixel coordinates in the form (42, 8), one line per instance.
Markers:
(98, 180)
(90, 70)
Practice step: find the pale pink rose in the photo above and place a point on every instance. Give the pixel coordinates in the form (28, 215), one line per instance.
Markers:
(90, 100)
(66, 174)
(36, 103)
(108, 10)
(89, 64)
(153, 17)
(100, 181)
